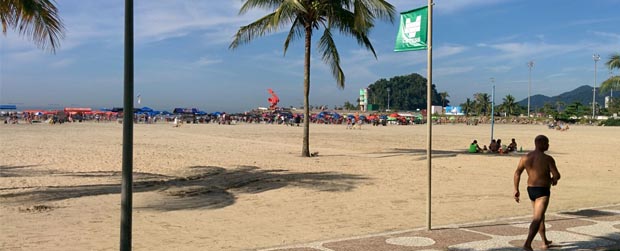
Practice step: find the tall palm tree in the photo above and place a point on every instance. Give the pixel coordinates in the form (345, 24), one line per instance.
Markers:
(354, 18)
(37, 19)
(467, 106)
(443, 96)
(613, 83)
(483, 101)
(509, 105)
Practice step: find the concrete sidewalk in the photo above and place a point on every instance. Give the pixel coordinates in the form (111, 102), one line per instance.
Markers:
(586, 229)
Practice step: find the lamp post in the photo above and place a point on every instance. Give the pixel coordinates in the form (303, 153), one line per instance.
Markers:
(388, 90)
(596, 58)
(529, 88)
(492, 107)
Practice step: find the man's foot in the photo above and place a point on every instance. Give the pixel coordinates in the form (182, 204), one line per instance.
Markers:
(546, 244)
(528, 248)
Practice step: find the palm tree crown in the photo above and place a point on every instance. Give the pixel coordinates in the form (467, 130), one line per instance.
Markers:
(613, 83)
(37, 19)
(353, 18)
(614, 61)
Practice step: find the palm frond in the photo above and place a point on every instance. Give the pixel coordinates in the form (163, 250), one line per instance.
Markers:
(37, 19)
(260, 4)
(285, 13)
(614, 61)
(612, 83)
(249, 32)
(330, 56)
(296, 31)
(344, 21)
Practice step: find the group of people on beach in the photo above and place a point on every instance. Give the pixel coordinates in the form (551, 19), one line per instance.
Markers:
(495, 146)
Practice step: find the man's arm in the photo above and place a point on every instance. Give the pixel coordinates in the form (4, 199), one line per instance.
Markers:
(554, 171)
(517, 178)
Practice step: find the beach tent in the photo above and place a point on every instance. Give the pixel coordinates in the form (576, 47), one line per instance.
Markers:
(77, 109)
(8, 107)
(185, 111)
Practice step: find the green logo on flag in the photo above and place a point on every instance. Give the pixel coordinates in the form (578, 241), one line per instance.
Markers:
(412, 33)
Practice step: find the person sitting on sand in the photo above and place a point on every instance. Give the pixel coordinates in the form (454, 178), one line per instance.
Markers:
(494, 146)
(474, 148)
(502, 148)
(512, 146)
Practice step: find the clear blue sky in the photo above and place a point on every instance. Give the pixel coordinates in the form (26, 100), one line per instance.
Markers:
(182, 57)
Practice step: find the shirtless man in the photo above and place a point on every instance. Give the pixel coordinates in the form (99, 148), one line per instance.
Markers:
(539, 167)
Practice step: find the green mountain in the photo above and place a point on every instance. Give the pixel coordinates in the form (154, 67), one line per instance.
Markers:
(582, 94)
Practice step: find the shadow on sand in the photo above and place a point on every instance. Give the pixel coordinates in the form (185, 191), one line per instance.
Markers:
(206, 187)
(445, 153)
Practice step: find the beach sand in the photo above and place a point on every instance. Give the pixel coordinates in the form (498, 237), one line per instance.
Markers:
(237, 187)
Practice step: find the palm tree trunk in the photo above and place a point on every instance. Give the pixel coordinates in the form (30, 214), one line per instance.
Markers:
(305, 150)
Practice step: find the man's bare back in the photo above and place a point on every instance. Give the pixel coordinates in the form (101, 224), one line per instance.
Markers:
(538, 166)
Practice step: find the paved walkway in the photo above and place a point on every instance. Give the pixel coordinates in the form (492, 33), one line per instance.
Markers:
(586, 229)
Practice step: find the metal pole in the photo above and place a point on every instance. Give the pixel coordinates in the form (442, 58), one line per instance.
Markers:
(493, 107)
(529, 89)
(429, 121)
(596, 58)
(127, 178)
(388, 90)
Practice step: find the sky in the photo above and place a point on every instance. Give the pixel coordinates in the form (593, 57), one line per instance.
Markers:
(182, 57)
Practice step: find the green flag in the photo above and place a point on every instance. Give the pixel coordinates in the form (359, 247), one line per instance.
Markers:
(412, 33)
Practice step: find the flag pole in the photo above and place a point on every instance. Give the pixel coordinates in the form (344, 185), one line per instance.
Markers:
(429, 120)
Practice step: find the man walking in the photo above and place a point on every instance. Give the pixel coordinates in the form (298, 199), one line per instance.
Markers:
(542, 174)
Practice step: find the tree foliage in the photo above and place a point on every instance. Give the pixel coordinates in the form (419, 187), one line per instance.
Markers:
(37, 19)
(407, 92)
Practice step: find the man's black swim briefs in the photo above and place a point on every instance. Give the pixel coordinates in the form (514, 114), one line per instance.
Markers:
(537, 192)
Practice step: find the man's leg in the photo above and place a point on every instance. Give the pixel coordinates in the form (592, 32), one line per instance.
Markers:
(540, 206)
(542, 230)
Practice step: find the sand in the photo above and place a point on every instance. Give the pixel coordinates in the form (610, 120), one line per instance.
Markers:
(238, 187)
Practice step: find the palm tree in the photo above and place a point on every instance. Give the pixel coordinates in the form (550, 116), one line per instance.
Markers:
(443, 96)
(37, 19)
(613, 83)
(354, 18)
(467, 106)
(509, 105)
(614, 61)
(483, 101)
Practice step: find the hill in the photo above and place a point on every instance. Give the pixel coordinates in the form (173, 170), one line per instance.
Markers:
(582, 94)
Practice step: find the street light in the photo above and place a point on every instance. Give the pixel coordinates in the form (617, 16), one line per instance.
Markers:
(492, 107)
(529, 89)
(596, 58)
(388, 90)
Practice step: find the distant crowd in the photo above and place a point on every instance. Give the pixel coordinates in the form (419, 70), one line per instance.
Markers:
(269, 117)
